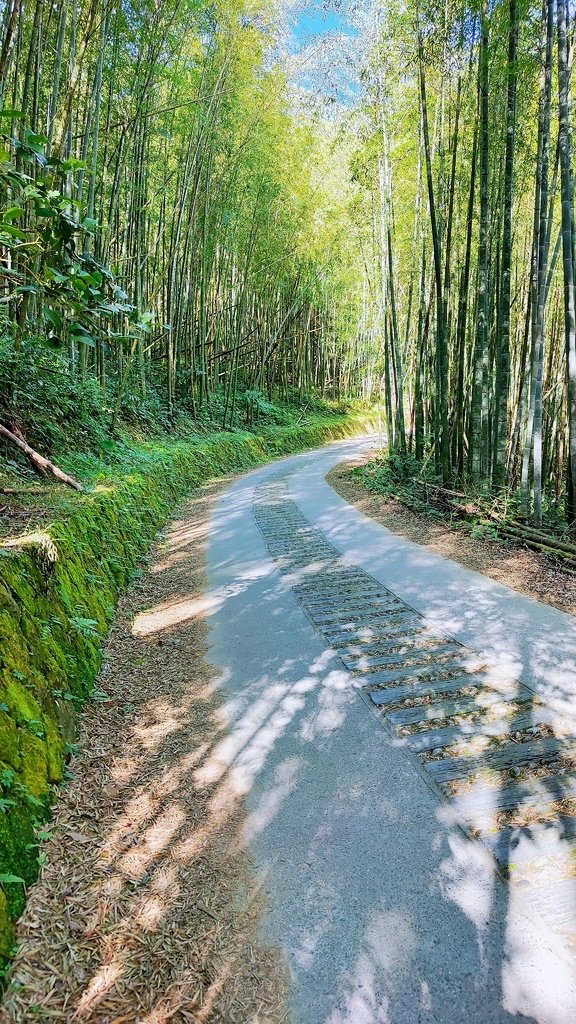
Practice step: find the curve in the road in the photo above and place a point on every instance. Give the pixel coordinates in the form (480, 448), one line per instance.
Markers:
(327, 628)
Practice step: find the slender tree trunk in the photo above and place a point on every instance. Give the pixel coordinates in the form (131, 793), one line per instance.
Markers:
(442, 443)
(481, 337)
(542, 264)
(566, 188)
(503, 341)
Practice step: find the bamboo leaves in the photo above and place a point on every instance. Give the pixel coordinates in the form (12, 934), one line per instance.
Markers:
(157, 142)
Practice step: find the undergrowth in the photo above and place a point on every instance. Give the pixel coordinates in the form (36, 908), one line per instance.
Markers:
(61, 415)
(394, 475)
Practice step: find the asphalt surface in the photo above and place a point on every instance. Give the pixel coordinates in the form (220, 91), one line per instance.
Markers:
(384, 909)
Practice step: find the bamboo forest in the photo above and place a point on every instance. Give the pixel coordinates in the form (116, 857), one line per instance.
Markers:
(287, 511)
(186, 216)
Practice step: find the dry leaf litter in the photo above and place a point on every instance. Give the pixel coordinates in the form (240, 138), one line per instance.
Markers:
(147, 909)
(526, 571)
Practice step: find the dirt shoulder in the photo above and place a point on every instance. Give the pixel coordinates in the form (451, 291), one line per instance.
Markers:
(147, 909)
(526, 571)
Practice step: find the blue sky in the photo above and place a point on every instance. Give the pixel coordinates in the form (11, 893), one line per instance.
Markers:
(316, 21)
(315, 32)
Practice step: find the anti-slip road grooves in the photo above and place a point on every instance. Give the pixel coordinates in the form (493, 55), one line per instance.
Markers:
(505, 762)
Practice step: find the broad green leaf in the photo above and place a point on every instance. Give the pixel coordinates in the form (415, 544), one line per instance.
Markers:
(11, 231)
(12, 213)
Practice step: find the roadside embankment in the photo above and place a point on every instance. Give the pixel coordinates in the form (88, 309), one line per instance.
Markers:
(59, 585)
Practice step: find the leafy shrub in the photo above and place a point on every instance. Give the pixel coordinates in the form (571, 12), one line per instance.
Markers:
(390, 471)
(59, 290)
(53, 409)
(481, 531)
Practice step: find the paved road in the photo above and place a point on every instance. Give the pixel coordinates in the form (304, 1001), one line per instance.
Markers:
(385, 910)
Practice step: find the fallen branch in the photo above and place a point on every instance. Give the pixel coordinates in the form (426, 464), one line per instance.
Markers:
(526, 533)
(467, 508)
(38, 461)
(546, 549)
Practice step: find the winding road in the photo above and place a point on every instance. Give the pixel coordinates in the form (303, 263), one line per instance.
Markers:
(403, 731)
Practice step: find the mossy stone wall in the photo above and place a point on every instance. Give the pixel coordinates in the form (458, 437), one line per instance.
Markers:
(58, 593)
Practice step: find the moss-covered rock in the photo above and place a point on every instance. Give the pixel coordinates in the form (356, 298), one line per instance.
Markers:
(58, 592)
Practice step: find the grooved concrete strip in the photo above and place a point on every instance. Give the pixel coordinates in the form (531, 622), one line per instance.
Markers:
(372, 890)
(505, 750)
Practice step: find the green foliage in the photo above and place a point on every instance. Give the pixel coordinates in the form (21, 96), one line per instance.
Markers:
(46, 239)
(55, 410)
(390, 471)
(86, 627)
(222, 279)
(257, 402)
(481, 531)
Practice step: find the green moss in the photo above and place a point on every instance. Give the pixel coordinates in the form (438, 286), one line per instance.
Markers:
(18, 852)
(9, 741)
(13, 652)
(56, 734)
(58, 592)
(34, 773)
(22, 705)
(6, 929)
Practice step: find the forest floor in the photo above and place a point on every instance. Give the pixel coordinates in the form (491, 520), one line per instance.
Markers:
(147, 909)
(526, 571)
